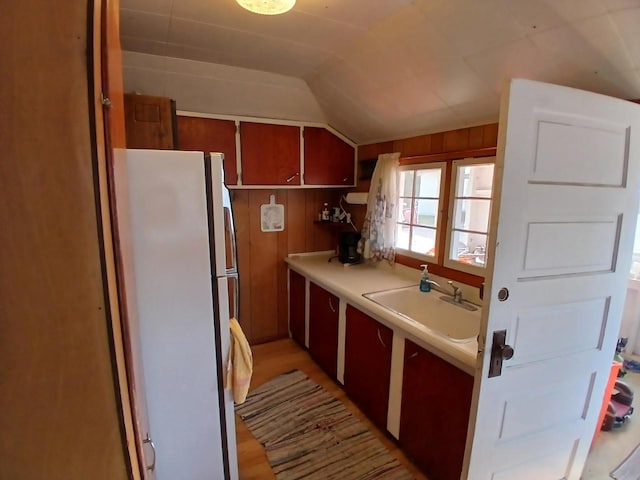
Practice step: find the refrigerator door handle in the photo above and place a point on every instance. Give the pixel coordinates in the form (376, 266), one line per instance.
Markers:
(148, 440)
(232, 237)
(236, 295)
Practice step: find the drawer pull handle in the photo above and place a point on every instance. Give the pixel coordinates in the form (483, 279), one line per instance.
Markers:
(380, 338)
(331, 306)
(292, 177)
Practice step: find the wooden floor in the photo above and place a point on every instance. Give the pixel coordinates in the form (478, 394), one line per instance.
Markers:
(611, 447)
(270, 360)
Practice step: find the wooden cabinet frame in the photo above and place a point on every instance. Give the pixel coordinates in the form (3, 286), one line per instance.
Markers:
(301, 125)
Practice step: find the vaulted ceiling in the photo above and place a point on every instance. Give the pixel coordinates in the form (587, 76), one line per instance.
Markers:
(395, 68)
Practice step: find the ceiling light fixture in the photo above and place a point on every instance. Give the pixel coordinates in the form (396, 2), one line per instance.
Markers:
(267, 7)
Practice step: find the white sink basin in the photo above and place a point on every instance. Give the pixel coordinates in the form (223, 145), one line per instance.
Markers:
(427, 308)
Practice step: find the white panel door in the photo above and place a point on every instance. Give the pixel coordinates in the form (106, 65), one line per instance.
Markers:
(567, 174)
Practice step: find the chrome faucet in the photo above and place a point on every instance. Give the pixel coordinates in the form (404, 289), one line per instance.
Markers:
(457, 293)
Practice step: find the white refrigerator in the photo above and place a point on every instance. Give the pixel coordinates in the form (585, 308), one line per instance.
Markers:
(176, 268)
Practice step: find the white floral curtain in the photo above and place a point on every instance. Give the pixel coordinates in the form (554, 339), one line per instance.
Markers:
(378, 231)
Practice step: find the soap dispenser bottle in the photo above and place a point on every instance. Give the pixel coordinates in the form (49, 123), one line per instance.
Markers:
(425, 283)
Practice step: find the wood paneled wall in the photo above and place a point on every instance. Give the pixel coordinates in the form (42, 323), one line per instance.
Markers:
(59, 416)
(263, 272)
(470, 138)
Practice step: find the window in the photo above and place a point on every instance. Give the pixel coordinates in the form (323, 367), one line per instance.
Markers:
(456, 244)
(419, 191)
(469, 210)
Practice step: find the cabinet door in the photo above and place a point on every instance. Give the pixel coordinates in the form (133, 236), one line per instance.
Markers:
(296, 306)
(436, 400)
(211, 135)
(323, 329)
(367, 368)
(328, 160)
(150, 122)
(270, 154)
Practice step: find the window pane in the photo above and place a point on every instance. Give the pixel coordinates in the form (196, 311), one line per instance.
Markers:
(406, 183)
(404, 212)
(468, 248)
(426, 212)
(402, 236)
(423, 240)
(475, 180)
(472, 214)
(428, 183)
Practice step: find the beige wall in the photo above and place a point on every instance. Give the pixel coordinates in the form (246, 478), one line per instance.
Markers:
(58, 410)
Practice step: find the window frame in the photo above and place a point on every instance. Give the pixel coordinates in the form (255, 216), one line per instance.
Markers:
(450, 226)
(436, 265)
(440, 221)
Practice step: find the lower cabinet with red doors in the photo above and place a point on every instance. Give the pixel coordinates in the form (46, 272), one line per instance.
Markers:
(323, 328)
(367, 364)
(429, 406)
(436, 400)
(297, 321)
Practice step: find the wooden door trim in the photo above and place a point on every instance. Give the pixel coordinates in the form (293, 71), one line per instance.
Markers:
(107, 132)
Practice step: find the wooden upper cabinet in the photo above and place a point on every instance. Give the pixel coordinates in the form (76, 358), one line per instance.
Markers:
(328, 160)
(270, 154)
(211, 135)
(150, 122)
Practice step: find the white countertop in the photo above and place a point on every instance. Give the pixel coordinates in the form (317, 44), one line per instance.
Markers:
(350, 282)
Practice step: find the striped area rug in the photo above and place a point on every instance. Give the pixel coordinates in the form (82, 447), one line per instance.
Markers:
(309, 434)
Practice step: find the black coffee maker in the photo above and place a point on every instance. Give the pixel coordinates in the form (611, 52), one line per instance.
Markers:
(348, 247)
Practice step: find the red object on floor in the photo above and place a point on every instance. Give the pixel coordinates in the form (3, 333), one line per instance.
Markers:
(613, 376)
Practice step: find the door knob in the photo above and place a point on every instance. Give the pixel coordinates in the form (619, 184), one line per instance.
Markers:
(506, 351)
